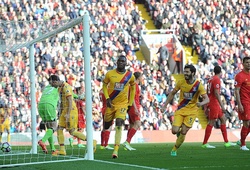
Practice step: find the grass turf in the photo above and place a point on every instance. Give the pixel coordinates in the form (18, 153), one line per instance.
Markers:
(156, 156)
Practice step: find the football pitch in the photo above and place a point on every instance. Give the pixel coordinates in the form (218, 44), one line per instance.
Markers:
(156, 156)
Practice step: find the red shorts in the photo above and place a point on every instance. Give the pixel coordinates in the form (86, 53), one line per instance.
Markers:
(132, 115)
(246, 114)
(214, 111)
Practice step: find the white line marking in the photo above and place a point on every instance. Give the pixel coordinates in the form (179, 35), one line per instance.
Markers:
(131, 165)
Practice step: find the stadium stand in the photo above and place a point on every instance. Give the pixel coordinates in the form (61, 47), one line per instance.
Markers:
(115, 29)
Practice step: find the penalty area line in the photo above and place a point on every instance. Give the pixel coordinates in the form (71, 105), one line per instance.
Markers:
(131, 165)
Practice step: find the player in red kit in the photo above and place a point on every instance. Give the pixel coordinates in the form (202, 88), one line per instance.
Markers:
(80, 104)
(104, 133)
(134, 114)
(215, 109)
(242, 93)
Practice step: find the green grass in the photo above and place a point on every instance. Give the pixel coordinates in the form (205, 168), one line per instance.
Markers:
(156, 156)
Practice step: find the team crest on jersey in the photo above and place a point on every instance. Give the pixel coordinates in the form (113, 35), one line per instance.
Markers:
(119, 86)
(188, 96)
(217, 85)
(235, 83)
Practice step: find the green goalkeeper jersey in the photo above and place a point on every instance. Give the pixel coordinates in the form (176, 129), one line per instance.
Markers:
(50, 95)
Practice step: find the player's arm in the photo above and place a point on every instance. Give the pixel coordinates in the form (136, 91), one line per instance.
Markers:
(217, 95)
(132, 95)
(169, 99)
(238, 100)
(105, 91)
(205, 100)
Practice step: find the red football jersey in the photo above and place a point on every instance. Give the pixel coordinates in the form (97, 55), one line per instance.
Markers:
(242, 80)
(213, 83)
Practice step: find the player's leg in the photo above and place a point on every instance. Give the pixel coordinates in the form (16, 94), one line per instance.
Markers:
(120, 116)
(1, 132)
(7, 127)
(135, 124)
(60, 135)
(73, 129)
(212, 116)
(224, 131)
(51, 126)
(244, 130)
(106, 138)
(185, 123)
(243, 135)
(42, 110)
(105, 134)
(79, 141)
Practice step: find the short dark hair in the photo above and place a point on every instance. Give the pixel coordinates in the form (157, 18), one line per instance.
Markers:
(217, 69)
(137, 74)
(54, 78)
(191, 67)
(245, 58)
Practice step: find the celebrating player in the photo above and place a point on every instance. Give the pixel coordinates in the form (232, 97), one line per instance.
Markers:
(47, 109)
(215, 109)
(68, 118)
(4, 122)
(105, 133)
(242, 93)
(134, 114)
(184, 117)
(116, 86)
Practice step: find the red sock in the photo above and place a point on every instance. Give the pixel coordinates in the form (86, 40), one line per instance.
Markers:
(131, 133)
(207, 133)
(128, 131)
(102, 138)
(79, 140)
(224, 132)
(243, 135)
(106, 137)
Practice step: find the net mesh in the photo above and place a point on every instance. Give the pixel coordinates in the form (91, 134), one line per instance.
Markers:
(18, 34)
(13, 36)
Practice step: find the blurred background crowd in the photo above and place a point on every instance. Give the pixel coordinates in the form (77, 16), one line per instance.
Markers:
(217, 30)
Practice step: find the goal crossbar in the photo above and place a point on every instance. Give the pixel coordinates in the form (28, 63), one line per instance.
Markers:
(68, 25)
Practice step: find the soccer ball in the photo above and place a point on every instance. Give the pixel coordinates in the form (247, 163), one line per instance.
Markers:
(5, 147)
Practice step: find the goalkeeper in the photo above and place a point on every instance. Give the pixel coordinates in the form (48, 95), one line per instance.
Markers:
(47, 108)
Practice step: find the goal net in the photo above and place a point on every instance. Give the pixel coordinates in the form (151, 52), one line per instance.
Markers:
(22, 82)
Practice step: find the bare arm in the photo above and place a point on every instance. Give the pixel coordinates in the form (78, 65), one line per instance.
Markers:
(217, 95)
(237, 95)
(169, 99)
(205, 100)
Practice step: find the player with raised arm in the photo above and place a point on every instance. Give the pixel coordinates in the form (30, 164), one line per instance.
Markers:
(105, 133)
(47, 109)
(134, 114)
(68, 118)
(242, 93)
(4, 121)
(215, 109)
(190, 90)
(116, 86)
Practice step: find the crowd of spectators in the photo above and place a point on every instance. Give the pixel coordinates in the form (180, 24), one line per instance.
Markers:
(115, 29)
(217, 30)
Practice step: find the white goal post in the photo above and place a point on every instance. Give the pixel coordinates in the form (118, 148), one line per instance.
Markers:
(85, 20)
